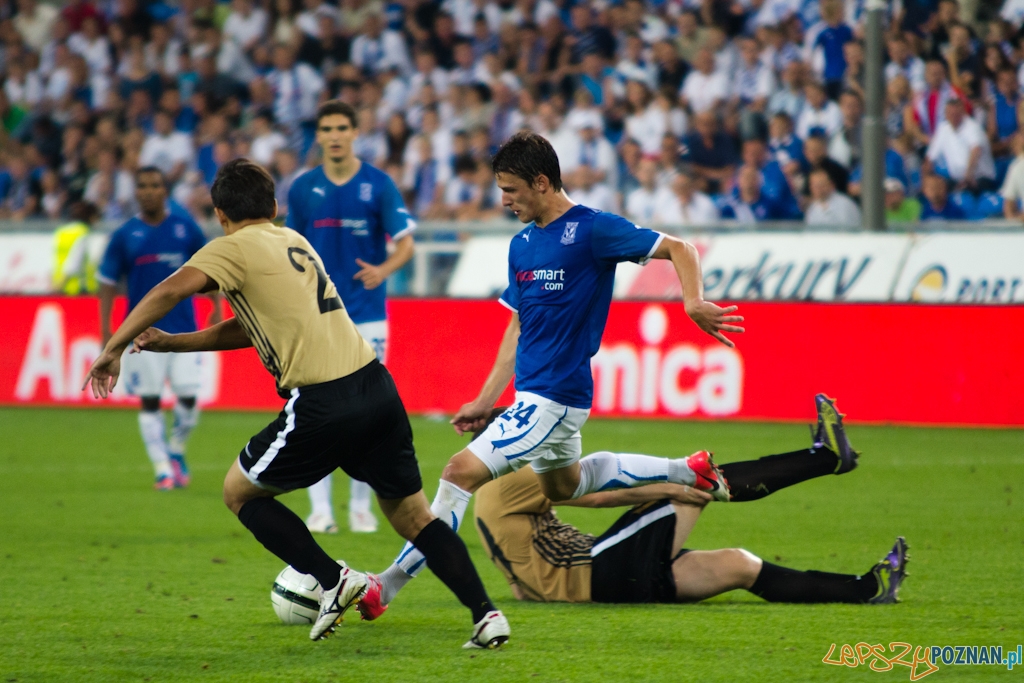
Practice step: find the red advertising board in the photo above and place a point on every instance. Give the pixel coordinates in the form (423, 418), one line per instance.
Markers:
(906, 363)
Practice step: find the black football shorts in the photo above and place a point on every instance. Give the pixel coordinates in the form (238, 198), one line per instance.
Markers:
(357, 423)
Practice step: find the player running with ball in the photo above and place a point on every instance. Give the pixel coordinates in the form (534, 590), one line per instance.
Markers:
(343, 409)
(561, 273)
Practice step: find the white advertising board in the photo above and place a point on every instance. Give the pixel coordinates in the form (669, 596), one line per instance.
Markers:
(964, 268)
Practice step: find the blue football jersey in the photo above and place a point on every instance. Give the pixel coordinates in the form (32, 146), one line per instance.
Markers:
(147, 255)
(349, 222)
(560, 282)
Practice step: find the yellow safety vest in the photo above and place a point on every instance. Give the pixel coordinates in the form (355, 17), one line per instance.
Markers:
(64, 240)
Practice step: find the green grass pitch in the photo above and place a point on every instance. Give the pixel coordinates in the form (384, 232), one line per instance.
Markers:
(104, 579)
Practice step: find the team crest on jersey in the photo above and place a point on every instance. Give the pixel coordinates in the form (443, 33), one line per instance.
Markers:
(179, 231)
(569, 235)
(365, 191)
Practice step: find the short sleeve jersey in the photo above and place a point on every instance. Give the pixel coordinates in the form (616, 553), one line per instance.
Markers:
(286, 304)
(547, 559)
(560, 282)
(147, 255)
(349, 222)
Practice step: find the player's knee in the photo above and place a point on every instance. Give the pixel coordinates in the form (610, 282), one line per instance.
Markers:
(557, 491)
(746, 566)
(466, 471)
(150, 404)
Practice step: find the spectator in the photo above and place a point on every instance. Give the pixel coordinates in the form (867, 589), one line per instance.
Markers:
(903, 62)
(687, 206)
(92, 45)
(710, 153)
(816, 154)
(34, 22)
(897, 104)
(651, 117)
(899, 208)
(930, 109)
(589, 190)
(111, 188)
(74, 271)
(819, 115)
(1012, 191)
(462, 194)
(752, 84)
(746, 205)
(704, 89)
(296, 88)
(845, 144)
(853, 78)
(774, 184)
(789, 99)
(21, 199)
(266, 141)
(588, 147)
(246, 25)
(376, 49)
(936, 206)
(642, 204)
(691, 37)
(286, 169)
(829, 207)
(830, 39)
(961, 152)
(167, 149)
(1002, 121)
(785, 148)
(670, 69)
(964, 63)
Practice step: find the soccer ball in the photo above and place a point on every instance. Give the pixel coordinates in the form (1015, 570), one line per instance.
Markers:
(295, 597)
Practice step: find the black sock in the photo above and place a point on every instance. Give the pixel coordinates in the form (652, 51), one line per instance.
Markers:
(283, 533)
(780, 584)
(753, 479)
(448, 558)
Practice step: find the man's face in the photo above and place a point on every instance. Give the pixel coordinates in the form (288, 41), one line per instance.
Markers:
(753, 153)
(335, 135)
(163, 124)
(821, 186)
(705, 124)
(955, 113)
(519, 197)
(851, 108)
(748, 50)
(150, 192)
(934, 75)
(935, 190)
(814, 150)
(893, 199)
(897, 51)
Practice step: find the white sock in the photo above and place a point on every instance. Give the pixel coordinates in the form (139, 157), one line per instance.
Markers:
(359, 497)
(151, 424)
(449, 505)
(320, 498)
(185, 420)
(603, 471)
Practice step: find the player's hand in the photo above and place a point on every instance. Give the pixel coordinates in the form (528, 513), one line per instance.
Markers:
(472, 417)
(714, 320)
(687, 495)
(103, 374)
(371, 276)
(152, 339)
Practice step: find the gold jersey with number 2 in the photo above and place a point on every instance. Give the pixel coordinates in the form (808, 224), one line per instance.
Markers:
(289, 308)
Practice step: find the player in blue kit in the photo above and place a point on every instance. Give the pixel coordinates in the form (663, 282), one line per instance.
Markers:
(347, 209)
(146, 250)
(561, 274)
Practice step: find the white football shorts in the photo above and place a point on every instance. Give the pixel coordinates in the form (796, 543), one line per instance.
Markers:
(533, 430)
(376, 333)
(145, 373)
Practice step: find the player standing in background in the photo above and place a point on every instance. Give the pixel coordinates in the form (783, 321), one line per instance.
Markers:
(146, 250)
(347, 209)
(343, 409)
(561, 270)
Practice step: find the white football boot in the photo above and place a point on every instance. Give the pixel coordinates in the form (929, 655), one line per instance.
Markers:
(321, 524)
(335, 601)
(362, 522)
(489, 633)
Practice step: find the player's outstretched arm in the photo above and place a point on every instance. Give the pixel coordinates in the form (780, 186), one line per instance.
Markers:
(677, 493)
(185, 282)
(474, 415)
(711, 318)
(224, 336)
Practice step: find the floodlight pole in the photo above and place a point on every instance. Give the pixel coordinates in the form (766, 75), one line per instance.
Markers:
(873, 125)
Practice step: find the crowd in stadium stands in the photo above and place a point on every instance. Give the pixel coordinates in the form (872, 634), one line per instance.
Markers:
(669, 111)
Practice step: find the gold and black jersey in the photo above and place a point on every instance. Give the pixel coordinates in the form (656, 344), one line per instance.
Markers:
(288, 306)
(545, 558)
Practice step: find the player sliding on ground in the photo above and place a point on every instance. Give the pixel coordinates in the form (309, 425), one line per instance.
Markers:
(641, 558)
(561, 272)
(343, 409)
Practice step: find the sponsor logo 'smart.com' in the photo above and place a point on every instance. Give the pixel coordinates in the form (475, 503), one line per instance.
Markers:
(652, 378)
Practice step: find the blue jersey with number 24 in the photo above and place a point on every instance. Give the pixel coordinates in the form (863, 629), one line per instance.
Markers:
(560, 282)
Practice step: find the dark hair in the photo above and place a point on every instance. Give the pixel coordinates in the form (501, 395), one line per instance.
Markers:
(465, 164)
(334, 107)
(151, 169)
(527, 155)
(244, 191)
